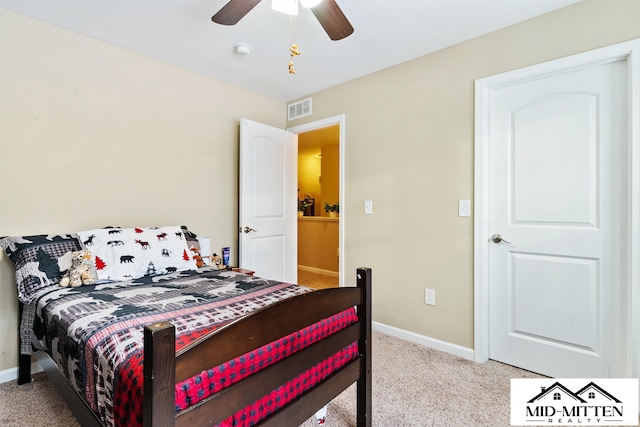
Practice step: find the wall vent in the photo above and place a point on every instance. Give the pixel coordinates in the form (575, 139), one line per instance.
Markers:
(299, 109)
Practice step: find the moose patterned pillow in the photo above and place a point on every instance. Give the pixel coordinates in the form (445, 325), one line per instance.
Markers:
(121, 254)
(40, 260)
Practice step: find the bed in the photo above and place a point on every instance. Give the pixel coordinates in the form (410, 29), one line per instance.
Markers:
(190, 346)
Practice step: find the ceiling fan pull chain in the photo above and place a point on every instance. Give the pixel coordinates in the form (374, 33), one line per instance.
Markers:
(294, 50)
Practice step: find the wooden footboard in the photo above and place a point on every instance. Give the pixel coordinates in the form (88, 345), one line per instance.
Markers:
(259, 328)
(163, 367)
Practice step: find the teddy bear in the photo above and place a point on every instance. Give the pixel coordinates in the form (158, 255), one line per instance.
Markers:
(216, 260)
(81, 271)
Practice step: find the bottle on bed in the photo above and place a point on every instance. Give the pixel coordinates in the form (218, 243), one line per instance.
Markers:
(225, 258)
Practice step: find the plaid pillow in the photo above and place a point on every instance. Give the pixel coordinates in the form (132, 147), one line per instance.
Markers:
(40, 261)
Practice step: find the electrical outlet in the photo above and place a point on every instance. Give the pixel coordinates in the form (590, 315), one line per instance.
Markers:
(430, 297)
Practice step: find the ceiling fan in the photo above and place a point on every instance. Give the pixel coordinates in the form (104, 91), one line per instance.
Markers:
(327, 12)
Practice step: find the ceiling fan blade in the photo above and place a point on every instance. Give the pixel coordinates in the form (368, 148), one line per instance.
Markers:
(332, 19)
(234, 11)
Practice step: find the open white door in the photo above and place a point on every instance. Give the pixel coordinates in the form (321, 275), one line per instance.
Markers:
(267, 201)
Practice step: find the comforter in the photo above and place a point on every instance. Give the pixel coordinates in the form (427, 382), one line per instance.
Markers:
(95, 335)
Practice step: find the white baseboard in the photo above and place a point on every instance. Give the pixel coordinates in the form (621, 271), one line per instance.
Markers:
(11, 374)
(318, 270)
(464, 352)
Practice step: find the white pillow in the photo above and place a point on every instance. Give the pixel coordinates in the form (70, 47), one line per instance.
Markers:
(123, 254)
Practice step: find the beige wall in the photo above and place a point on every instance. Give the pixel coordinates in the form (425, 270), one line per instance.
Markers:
(409, 148)
(94, 135)
(309, 169)
(330, 177)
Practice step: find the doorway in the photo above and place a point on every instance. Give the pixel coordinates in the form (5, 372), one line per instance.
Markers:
(321, 184)
(555, 259)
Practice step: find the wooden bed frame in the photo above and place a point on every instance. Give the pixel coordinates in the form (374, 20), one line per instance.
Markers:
(163, 367)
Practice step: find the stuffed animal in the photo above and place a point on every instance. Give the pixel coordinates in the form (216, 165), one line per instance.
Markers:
(216, 260)
(81, 271)
(197, 257)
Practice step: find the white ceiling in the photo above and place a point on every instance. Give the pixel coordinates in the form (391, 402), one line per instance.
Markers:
(180, 32)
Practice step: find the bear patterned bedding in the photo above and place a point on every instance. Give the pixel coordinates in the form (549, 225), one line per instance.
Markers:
(94, 334)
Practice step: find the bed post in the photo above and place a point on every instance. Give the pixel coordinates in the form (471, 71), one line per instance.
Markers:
(159, 400)
(24, 361)
(364, 344)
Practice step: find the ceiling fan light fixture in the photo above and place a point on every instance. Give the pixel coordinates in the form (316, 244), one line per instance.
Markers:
(310, 3)
(327, 12)
(290, 7)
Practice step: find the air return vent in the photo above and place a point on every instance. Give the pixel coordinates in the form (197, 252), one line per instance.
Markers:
(299, 109)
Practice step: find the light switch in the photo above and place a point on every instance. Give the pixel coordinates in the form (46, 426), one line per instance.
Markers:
(464, 208)
(368, 207)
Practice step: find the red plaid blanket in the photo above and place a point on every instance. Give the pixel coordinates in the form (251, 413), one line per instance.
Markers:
(128, 396)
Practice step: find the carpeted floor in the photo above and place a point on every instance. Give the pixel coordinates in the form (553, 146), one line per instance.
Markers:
(412, 386)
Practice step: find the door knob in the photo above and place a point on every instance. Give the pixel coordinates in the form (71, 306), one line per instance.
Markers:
(249, 229)
(496, 238)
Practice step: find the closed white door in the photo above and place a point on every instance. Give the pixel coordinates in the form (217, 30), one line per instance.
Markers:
(558, 215)
(268, 201)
